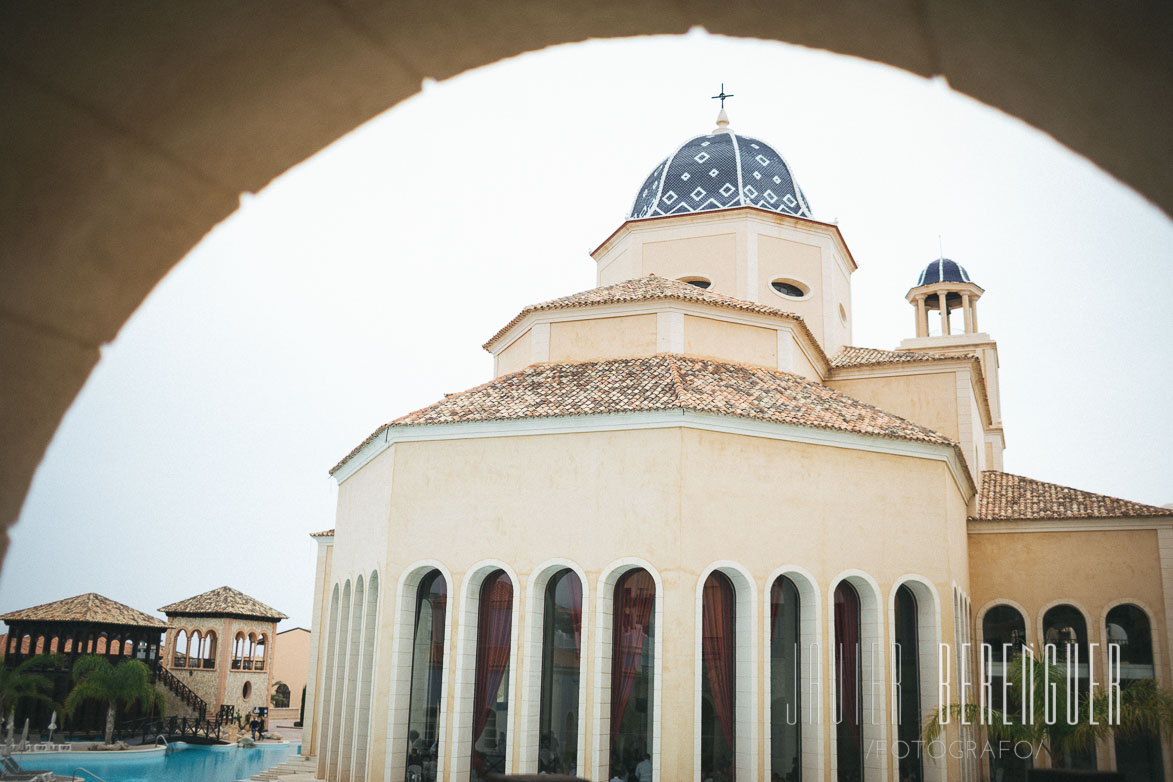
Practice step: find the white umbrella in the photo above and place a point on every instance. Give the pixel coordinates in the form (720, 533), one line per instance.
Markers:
(24, 734)
(52, 726)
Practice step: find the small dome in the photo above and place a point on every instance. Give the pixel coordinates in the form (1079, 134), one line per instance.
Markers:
(719, 171)
(943, 270)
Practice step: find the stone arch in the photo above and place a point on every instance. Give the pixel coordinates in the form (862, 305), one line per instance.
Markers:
(928, 620)
(325, 706)
(350, 694)
(465, 668)
(401, 648)
(811, 674)
(875, 768)
(370, 634)
(746, 645)
(332, 747)
(600, 760)
(532, 683)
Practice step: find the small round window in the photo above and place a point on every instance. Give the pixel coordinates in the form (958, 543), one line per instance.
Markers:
(842, 314)
(792, 289)
(699, 282)
(247, 691)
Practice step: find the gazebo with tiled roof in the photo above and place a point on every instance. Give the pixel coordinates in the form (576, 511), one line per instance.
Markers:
(220, 646)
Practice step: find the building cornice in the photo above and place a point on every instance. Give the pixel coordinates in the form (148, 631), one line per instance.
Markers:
(927, 366)
(663, 419)
(1091, 524)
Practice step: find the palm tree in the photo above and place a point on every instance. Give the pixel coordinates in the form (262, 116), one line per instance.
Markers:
(20, 681)
(1144, 710)
(128, 683)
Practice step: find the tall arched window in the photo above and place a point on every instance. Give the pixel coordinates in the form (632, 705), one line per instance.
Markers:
(632, 671)
(210, 651)
(238, 651)
(1065, 629)
(848, 706)
(719, 678)
(193, 649)
(561, 659)
(1004, 629)
(491, 689)
(785, 693)
(259, 653)
(179, 654)
(906, 651)
(427, 678)
(1129, 631)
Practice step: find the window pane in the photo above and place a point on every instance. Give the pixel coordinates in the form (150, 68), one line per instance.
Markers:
(561, 656)
(785, 696)
(848, 680)
(427, 677)
(719, 678)
(491, 688)
(907, 653)
(632, 666)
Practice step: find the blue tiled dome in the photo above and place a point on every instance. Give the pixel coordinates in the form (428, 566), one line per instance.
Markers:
(943, 270)
(719, 171)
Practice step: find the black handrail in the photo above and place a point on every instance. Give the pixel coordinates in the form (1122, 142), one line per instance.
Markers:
(185, 693)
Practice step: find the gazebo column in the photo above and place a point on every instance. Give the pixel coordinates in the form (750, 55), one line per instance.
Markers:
(967, 312)
(922, 317)
(943, 298)
(973, 315)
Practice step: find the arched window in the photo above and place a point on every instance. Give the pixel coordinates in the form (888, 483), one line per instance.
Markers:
(179, 657)
(239, 642)
(848, 706)
(906, 651)
(193, 649)
(719, 678)
(561, 659)
(1004, 629)
(210, 650)
(1065, 630)
(103, 644)
(632, 671)
(491, 688)
(1128, 634)
(280, 699)
(259, 652)
(427, 678)
(785, 693)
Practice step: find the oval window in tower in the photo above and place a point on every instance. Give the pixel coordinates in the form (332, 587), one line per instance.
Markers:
(791, 289)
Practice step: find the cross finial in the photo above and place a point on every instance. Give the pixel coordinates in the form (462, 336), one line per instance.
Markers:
(722, 96)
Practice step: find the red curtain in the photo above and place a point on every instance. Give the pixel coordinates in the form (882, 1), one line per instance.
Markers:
(718, 650)
(847, 655)
(494, 626)
(439, 602)
(575, 588)
(635, 594)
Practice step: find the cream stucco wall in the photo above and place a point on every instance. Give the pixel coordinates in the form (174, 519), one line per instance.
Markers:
(679, 499)
(725, 341)
(928, 399)
(291, 663)
(518, 355)
(602, 338)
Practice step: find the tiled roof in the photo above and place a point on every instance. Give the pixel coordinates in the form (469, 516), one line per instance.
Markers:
(90, 607)
(323, 534)
(652, 288)
(662, 382)
(1003, 497)
(224, 601)
(858, 357)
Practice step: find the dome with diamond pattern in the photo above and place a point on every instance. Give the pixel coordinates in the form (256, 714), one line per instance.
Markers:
(720, 171)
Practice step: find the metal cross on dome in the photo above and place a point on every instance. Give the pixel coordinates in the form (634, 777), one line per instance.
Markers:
(722, 96)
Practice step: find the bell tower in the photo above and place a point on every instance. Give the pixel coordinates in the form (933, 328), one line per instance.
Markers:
(944, 287)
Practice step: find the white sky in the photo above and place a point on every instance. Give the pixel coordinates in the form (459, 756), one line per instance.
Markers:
(360, 285)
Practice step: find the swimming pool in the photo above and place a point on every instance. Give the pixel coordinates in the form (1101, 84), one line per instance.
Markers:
(183, 763)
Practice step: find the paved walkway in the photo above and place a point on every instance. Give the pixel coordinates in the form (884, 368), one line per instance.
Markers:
(295, 768)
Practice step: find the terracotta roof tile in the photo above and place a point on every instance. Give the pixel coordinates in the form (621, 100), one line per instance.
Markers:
(323, 534)
(662, 382)
(653, 288)
(223, 601)
(90, 607)
(858, 357)
(1003, 497)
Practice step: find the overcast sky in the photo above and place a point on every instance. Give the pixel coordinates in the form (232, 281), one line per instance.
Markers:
(360, 285)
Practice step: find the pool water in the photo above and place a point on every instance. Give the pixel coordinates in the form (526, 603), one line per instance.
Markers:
(183, 763)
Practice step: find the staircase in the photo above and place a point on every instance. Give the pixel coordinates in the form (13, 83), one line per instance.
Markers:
(167, 680)
(302, 766)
